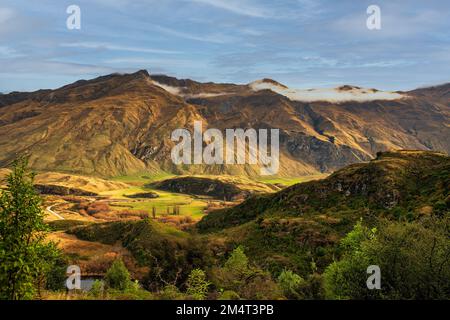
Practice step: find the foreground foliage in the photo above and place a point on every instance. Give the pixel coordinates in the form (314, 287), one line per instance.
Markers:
(414, 259)
(26, 259)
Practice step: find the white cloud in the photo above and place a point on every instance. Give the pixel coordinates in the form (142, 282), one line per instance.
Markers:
(108, 46)
(331, 95)
(173, 90)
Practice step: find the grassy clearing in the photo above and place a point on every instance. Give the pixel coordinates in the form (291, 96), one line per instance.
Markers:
(189, 206)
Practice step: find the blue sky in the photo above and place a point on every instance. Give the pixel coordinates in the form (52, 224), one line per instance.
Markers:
(301, 43)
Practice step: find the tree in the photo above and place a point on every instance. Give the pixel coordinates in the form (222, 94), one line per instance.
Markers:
(290, 283)
(25, 256)
(237, 263)
(413, 257)
(117, 276)
(247, 281)
(197, 285)
(295, 287)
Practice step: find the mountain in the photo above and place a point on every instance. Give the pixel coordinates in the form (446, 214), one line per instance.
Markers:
(307, 220)
(121, 124)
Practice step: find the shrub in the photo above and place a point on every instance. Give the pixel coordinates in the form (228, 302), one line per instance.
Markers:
(97, 207)
(97, 289)
(247, 281)
(117, 276)
(413, 259)
(197, 285)
(170, 292)
(290, 283)
(229, 295)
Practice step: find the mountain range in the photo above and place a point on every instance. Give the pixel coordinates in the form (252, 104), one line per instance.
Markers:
(121, 124)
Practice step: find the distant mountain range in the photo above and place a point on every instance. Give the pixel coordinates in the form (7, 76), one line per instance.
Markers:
(121, 123)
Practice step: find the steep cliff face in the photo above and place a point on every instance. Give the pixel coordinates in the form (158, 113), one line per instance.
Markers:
(121, 124)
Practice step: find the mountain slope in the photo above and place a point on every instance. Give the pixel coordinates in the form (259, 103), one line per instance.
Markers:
(307, 220)
(121, 124)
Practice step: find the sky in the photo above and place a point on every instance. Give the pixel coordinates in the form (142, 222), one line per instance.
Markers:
(300, 43)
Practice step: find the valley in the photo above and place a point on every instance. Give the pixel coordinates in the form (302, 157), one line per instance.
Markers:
(112, 197)
(297, 227)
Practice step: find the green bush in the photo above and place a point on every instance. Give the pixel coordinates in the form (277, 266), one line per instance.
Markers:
(413, 259)
(290, 283)
(170, 292)
(229, 295)
(117, 276)
(26, 258)
(97, 289)
(249, 282)
(197, 285)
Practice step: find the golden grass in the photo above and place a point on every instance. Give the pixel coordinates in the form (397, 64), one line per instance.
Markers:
(93, 258)
(92, 184)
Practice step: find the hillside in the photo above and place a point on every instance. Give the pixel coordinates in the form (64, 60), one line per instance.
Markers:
(219, 187)
(70, 181)
(120, 124)
(307, 220)
(167, 253)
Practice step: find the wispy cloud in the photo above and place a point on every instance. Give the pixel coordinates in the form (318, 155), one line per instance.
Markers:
(5, 15)
(212, 38)
(303, 43)
(18, 66)
(7, 52)
(241, 7)
(108, 46)
(151, 61)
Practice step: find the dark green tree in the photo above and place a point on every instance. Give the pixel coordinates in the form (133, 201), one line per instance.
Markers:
(25, 256)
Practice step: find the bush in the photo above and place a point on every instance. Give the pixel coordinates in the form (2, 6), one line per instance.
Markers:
(56, 275)
(97, 289)
(117, 276)
(229, 295)
(247, 281)
(237, 263)
(413, 259)
(97, 207)
(290, 283)
(197, 285)
(132, 292)
(170, 292)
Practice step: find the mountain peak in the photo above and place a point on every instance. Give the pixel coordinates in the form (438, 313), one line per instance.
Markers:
(267, 82)
(142, 73)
